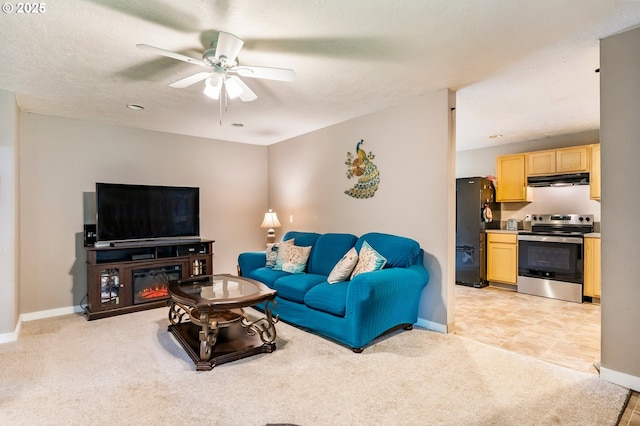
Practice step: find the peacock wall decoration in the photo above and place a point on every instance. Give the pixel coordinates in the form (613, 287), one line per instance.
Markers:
(362, 167)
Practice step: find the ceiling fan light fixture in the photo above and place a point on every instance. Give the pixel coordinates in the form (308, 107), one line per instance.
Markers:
(213, 86)
(234, 89)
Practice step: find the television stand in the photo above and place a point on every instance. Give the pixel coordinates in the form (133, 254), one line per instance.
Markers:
(150, 242)
(134, 276)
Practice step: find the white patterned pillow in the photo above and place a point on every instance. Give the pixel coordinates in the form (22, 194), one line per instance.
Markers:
(292, 259)
(273, 250)
(343, 269)
(369, 260)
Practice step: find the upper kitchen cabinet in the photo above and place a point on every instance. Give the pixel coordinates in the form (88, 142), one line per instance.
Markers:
(565, 160)
(573, 160)
(512, 179)
(594, 179)
(541, 163)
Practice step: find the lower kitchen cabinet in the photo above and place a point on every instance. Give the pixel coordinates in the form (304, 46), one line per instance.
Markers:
(502, 257)
(592, 267)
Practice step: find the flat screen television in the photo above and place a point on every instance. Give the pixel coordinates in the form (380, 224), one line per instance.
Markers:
(145, 212)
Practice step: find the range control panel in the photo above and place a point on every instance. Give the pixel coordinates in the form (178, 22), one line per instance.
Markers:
(562, 219)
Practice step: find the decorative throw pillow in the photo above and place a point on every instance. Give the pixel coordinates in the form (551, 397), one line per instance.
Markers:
(292, 259)
(343, 269)
(369, 260)
(273, 250)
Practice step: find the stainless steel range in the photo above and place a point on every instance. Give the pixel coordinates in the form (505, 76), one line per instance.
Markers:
(551, 256)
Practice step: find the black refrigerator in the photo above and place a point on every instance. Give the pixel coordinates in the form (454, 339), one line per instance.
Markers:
(476, 210)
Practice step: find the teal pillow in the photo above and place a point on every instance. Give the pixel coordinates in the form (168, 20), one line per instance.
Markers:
(292, 259)
(369, 260)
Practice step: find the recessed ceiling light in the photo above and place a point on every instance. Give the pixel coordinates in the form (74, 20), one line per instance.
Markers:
(135, 107)
(496, 136)
(237, 124)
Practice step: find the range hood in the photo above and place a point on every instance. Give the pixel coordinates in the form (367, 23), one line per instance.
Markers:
(559, 180)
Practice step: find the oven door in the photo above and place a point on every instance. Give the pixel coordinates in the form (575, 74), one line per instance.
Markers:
(551, 257)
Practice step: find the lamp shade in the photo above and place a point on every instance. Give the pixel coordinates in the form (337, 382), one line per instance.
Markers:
(233, 87)
(270, 220)
(213, 86)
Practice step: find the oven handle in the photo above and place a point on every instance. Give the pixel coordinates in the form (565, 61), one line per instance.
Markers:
(551, 239)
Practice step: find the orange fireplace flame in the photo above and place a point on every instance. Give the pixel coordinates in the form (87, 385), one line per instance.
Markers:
(157, 292)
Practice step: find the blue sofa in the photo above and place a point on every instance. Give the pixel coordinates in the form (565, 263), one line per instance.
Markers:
(353, 312)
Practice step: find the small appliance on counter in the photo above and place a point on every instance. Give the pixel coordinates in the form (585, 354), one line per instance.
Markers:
(512, 225)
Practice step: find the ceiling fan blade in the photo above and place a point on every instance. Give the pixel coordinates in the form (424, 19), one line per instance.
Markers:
(186, 82)
(280, 74)
(247, 94)
(228, 46)
(171, 54)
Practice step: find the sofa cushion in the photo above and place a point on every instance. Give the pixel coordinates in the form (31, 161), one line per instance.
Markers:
(369, 260)
(302, 239)
(266, 275)
(400, 252)
(343, 269)
(272, 251)
(292, 258)
(294, 286)
(330, 298)
(328, 250)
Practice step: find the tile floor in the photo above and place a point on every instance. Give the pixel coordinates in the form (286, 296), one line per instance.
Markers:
(556, 331)
(631, 415)
(563, 333)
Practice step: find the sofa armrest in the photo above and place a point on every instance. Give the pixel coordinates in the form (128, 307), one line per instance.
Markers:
(251, 260)
(386, 295)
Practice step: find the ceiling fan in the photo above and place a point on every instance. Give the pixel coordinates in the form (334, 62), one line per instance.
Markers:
(223, 69)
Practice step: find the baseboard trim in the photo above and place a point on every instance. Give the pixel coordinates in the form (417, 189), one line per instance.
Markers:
(11, 337)
(619, 378)
(51, 313)
(431, 325)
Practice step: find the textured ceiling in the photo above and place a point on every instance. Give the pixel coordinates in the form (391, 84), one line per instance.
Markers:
(521, 68)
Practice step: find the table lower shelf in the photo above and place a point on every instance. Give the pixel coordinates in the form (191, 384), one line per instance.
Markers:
(233, 343)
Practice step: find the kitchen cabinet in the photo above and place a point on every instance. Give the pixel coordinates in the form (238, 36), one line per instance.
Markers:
(592, 273)
(502, 257)
(556, 161)
(594, 178)
(512, 179)
(572, 160)
(541, 163)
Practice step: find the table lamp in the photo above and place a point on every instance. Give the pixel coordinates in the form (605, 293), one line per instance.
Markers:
(270, 221)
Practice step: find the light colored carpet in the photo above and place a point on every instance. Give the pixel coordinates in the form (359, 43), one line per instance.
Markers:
(130, 370)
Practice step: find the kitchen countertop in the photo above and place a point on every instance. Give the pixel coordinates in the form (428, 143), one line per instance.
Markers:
(500, 231)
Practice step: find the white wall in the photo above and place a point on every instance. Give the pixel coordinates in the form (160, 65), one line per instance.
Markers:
(8, 214)
(414, 152)
(620, 152)
(60, 162)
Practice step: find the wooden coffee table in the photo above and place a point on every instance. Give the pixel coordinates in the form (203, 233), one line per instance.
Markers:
(208, 318)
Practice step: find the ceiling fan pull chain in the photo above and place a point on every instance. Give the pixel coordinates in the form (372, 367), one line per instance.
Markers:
(220, 111)
(226, 98)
